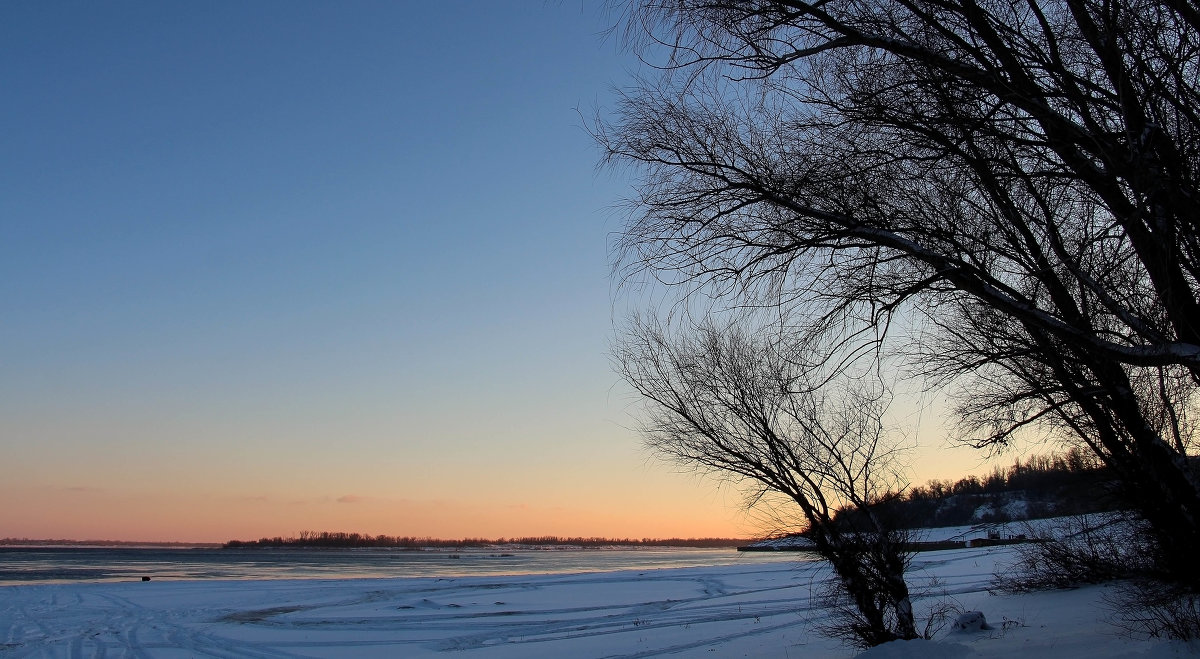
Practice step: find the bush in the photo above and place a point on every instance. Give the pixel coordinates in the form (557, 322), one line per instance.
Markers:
(1086, 549)
(1155, 609)
(1097, 549)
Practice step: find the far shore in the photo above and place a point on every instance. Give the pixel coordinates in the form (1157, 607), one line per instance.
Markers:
(100, 544)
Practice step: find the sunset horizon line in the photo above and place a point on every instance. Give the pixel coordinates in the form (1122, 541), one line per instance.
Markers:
(424, 539)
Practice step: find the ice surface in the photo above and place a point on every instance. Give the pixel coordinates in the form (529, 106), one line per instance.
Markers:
(752, 609)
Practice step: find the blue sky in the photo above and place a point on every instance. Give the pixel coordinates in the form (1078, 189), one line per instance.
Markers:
(231, 181)
(268, 266)
(260, 257)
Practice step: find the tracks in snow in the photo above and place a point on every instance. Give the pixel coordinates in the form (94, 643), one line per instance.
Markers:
(621, 614)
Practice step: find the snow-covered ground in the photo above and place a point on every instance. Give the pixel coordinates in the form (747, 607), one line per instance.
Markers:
(752, 609)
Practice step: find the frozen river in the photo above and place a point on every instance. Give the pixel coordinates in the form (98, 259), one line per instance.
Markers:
(78, 564)
(751, 606)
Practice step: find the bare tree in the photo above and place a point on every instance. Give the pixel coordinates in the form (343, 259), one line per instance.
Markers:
(740, 405)
(1003, 192)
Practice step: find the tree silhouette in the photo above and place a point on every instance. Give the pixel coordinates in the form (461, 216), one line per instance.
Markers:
(1000, 193)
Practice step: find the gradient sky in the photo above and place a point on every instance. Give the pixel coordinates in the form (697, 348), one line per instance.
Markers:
(279, 266)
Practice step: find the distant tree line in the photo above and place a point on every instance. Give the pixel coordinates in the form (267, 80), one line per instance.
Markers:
(341, 539)
(43, 542)
(1039, 486)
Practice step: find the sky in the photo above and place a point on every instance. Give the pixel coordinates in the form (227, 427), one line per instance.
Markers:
(279, 266)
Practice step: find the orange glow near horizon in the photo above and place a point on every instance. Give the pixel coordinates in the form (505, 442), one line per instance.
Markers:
(103, 514)
(601, 484)
(653, 504)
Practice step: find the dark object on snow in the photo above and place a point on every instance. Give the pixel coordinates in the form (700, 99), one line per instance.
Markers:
(145, 578)
(971, 621)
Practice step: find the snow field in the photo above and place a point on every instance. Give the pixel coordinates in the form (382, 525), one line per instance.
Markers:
(752, 609)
